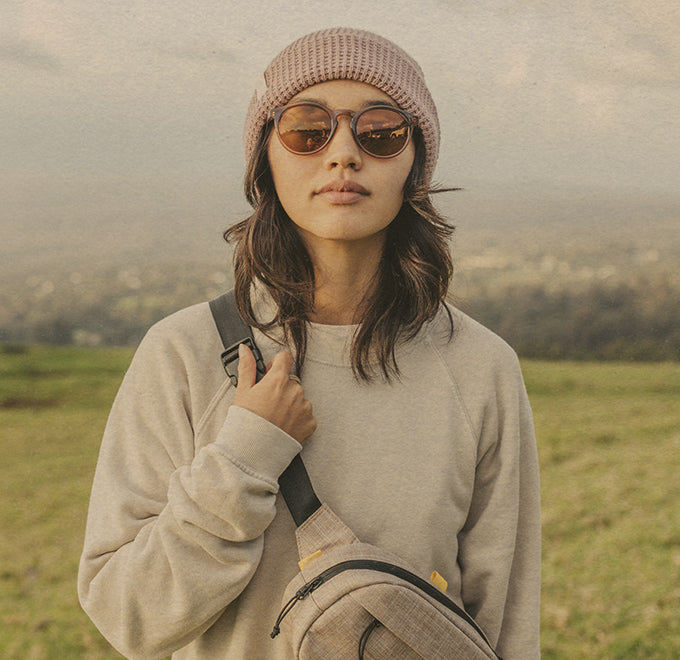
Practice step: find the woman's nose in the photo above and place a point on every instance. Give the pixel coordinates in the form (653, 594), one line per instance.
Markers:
(342, 150)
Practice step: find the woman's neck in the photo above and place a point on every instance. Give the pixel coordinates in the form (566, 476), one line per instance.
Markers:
(344, 272)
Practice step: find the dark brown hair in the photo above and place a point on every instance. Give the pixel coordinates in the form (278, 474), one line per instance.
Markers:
(411, 283)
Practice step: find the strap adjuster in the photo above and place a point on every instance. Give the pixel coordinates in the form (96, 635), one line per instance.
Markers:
(230, 360)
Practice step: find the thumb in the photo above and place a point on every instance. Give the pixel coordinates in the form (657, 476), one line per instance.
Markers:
(247, 369)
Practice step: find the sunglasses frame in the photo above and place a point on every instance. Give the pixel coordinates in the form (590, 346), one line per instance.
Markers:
(276, 113)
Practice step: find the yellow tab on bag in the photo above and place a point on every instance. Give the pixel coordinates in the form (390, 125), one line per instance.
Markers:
(439, 581)
(309, 559)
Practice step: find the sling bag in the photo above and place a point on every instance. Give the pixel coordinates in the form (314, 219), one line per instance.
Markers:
(351, 599)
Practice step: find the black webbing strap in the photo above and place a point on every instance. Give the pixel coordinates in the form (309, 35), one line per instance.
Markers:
(229, 323)
(295, 484)
(296, 488)
(234, 332)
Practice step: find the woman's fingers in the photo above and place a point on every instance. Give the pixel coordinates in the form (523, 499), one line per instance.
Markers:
(280, 364)
(247, 368)
(277, 398)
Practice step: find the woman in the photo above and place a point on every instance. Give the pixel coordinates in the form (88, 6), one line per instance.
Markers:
(420, 437)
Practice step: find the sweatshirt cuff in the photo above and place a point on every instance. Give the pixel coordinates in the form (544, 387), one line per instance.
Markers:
(255, 444)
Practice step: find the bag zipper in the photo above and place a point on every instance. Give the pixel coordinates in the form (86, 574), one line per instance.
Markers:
(382, 567)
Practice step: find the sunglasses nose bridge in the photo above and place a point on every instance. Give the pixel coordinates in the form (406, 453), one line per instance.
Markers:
(336, 115)
(342, 144)
(346, 113)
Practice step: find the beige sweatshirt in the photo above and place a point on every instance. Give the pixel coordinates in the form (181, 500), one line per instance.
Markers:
(189, 546)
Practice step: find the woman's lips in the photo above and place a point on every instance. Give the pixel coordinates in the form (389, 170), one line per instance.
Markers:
(342, 192)
(339, 197)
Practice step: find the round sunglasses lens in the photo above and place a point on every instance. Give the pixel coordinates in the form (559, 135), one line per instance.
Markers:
(382, 132)
(304, 128)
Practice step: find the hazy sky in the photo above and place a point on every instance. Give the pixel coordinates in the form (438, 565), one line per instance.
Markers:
(135, 108)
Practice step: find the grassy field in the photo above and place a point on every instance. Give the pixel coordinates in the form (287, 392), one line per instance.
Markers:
(609, 445)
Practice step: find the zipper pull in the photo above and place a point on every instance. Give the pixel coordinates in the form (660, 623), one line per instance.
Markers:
(366, 634)
(301, 593)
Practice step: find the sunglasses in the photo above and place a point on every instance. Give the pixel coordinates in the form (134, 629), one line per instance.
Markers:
(304, 128)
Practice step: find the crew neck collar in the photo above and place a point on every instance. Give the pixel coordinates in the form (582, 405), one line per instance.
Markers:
(326, 343)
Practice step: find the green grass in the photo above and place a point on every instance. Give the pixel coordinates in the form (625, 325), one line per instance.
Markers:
(609, 447)
(53, 406)
(609, 441)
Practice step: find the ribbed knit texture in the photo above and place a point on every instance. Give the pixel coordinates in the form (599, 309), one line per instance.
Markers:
(346, 54)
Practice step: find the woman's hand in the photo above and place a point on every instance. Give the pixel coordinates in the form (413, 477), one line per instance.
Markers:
(277, 397)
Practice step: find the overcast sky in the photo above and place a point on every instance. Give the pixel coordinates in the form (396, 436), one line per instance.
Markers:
(135, 108)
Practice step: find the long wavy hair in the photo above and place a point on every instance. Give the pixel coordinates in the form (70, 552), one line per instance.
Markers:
(409, 287)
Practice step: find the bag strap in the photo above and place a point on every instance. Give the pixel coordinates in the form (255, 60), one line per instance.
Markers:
(294, 483)
(298, 492)
(234, 332)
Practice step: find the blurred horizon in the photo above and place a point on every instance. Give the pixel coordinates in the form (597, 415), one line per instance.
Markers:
(93, 238)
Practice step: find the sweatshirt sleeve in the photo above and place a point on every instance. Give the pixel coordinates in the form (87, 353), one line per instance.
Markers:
(499, 546)
(174, 536)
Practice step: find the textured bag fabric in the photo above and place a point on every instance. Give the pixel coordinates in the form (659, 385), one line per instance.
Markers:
(365, 613)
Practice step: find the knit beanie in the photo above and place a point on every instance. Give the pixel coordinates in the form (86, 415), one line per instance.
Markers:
(346, 54)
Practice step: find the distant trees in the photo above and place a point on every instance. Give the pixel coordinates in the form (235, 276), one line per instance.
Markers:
(621, 321)
(111, 306)
(636, 317)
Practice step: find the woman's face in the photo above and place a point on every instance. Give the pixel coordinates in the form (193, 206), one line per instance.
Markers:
(301, 181)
